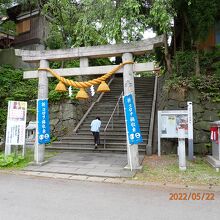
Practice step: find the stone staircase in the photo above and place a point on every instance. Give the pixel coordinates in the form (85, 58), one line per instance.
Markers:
(116, 137)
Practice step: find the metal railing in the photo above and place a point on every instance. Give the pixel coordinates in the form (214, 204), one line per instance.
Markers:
(111, 119)
(89, 109)
(150, 137)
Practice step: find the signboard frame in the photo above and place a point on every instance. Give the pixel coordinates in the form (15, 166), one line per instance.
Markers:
(16, 125)
(185, 121)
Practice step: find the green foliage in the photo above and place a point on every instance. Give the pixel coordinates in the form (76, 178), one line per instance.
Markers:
(10, 160)
(166, 170)
(8, 27)
(208, 86)
(202, 15)
(161, 15)
(69, 25)
(208, 83)
(177, 82)
(13, 87)
(4, 6)
(53, 138)
(184, 63)
(116, 20)
(91, 22)
(16, 161)
(33, 111)
(54, 40)
(100, 62)
(210, 61)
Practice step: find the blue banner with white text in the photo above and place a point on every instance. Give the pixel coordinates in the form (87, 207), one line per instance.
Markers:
(133, 128)
(43, 121)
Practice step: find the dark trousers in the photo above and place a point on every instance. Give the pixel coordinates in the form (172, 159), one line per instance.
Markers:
(96, 137)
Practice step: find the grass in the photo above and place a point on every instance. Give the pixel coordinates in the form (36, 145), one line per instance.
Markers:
(165, 169)
(29, 157)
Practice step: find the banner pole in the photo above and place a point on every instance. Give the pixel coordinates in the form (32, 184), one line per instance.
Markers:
(36, 139)
(127, 140)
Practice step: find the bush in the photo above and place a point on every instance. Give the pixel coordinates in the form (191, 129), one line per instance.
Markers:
(184, 63)
(13, 87)
(10, 160)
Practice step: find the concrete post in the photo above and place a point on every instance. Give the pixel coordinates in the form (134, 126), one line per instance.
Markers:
(7, 149)
(84, 62)
(181, 149)
(128, 79)
(190, 131)
(42, 94)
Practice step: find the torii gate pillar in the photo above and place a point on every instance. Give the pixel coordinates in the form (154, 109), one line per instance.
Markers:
(128, 81)
(42, 94)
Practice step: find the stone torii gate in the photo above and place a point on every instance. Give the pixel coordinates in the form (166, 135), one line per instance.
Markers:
(84, 53)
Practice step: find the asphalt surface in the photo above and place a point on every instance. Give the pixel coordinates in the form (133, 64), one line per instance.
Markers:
(39, 198)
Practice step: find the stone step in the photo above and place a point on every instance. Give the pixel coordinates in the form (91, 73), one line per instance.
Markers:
(145, 110)
(106, 116)
(107, 100)
(113, 95)
(91, 141)
(116, 126)
(143, 129)
(121, 123)
(116, 122)
(90, 136)
(121, 117)
(119, 90)
(88, 144)
(91, 149)
(113, 133)
(116, 138)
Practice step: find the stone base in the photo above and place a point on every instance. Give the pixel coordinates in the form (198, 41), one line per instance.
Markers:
(127, 167)
(214, 162)
(38, 164)
(182, 168)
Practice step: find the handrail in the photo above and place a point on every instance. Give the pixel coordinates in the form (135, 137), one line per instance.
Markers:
(150, 137)
(111, 117)
(90, 108)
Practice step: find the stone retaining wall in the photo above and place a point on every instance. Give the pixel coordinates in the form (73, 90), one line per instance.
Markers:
(204, 112)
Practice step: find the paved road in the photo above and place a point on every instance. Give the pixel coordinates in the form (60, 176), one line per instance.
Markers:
(37, 198)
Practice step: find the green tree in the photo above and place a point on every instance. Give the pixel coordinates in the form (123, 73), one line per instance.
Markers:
(119, 20)
(69, 25)
(161, 17)
(187, 22)
(5, 25)
(13, 87)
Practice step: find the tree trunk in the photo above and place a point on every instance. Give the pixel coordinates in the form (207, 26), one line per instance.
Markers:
(167, 55)
(174, 38)
(182, 37)
(197, 66)
(188, 27)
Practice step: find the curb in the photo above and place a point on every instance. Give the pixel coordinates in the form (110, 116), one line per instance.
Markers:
(113, 180)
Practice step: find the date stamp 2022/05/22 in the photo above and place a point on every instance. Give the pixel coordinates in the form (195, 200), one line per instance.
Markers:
(192, 196)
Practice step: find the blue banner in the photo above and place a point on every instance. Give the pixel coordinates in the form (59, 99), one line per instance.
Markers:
(133, 128)
(43, 121)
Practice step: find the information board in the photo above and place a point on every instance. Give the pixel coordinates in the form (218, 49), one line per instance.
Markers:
(16, 123)
(169, 121)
